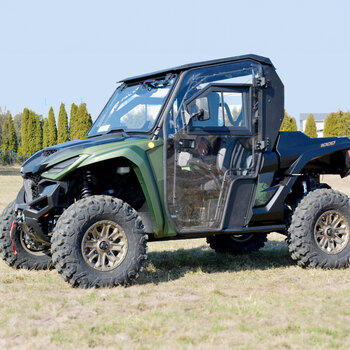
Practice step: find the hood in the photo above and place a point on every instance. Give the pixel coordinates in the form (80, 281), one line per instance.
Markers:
(41, 159)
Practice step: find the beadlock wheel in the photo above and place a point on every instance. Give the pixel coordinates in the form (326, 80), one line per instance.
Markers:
(320, 230)
(99, 241)
(30, 255)
(104, 245)
(332, 232)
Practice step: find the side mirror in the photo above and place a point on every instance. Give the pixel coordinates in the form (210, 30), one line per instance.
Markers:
(200, 115)
(197, 109)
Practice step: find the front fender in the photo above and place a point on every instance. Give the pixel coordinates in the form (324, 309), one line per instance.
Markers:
(135, 152)
(138, 157)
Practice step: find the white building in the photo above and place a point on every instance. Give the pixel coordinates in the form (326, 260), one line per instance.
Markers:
(319, 119)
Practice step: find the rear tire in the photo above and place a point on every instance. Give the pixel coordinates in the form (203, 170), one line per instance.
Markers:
(99, 241)
(237, 244)
(320, 230)
(29, 255)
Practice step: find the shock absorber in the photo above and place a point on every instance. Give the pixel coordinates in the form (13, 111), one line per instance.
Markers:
(86, 187)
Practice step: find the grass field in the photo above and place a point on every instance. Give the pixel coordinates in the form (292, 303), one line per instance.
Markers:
(187, 297)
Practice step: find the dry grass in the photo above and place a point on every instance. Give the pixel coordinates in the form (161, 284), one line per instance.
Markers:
(187, 297)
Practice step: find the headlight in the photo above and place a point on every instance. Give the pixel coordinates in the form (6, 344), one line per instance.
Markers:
(61, 166)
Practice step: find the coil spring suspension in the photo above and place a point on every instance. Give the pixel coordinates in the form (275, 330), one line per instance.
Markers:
(86, 188)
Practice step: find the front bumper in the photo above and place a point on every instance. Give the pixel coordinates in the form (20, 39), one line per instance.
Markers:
(32, 211)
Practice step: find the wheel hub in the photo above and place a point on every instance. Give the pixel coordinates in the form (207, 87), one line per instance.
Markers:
(104, 245)
(332, 232)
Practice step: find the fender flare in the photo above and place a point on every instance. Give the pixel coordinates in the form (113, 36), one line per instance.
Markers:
(143, 170)
(309, 156)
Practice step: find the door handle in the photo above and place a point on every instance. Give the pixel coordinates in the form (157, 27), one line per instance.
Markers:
(187, 143)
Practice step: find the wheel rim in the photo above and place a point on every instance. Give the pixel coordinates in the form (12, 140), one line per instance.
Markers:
(242, 238)
(332, 232)
(32, 247)
(104, 245)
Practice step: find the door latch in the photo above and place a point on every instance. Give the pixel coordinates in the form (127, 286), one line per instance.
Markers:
(262, 145)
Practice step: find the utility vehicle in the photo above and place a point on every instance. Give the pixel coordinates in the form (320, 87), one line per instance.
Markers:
(191, 151)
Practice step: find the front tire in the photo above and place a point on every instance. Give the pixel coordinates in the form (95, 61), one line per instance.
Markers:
(99, 241)
(320, 230)
(237, 244)
(30, 255)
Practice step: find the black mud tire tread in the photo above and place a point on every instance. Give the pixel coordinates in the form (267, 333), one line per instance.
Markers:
(224, 244)
(69, 231)
(302, 245)
(23, 259)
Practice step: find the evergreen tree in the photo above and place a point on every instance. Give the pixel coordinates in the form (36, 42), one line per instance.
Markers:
(17, 122)
(24, 132)
(74, 125)
(333, 125)
(4, 136)
(46, 133)
(289, 123)
(12, 142)
(31, 131)
(310, 127)
(9, 139)
(4, 143)
(62, 131)
(3, 119)
(83, 120)
(52, 128)
(38, 134)
(346, 123)
(294, 126)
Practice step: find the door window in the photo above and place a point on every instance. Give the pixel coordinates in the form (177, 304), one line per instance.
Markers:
(219, 109)
(197, 80)
(233, 109)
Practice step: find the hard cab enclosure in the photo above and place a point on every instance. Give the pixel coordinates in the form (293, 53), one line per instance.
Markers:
(187, 152)
(195, 149)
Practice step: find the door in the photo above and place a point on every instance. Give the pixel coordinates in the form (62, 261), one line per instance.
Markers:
(211, 160)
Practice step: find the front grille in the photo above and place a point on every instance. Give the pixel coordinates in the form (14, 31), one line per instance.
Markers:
(34, 179)
(48, 152)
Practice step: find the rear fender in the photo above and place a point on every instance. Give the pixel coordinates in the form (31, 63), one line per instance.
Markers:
(331, 158)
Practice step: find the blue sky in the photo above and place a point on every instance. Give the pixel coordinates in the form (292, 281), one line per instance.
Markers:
(73, 51)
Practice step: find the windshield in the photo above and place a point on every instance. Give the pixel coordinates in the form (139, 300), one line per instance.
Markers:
(133, 108)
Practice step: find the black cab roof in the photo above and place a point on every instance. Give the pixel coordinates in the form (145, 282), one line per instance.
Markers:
(260, 59)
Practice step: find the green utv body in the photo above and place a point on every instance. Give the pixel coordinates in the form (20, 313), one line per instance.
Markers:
(191, 151)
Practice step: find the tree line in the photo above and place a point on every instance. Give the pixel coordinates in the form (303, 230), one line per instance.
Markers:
(336, 124)
(29, 132)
